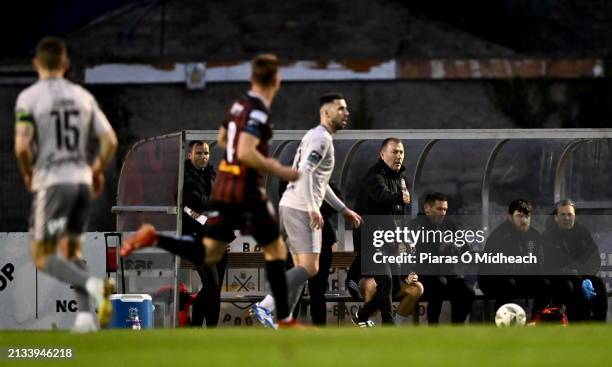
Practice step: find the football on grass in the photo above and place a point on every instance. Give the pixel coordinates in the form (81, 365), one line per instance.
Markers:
(510, 314)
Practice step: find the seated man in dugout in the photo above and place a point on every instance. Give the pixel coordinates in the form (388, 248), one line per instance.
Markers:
(507, 282)
(572, 258)
(441, 281)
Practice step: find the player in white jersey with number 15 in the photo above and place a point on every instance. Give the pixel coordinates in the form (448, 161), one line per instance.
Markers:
(300, 216)
(55, 120)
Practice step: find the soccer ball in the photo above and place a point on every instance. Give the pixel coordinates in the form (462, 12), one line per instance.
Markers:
(510, 314)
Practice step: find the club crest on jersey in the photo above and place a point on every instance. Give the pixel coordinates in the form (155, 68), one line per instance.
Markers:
(236, 108)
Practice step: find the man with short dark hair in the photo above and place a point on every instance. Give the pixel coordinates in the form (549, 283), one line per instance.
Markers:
(439, 280)
(384, 193)
(197, 186)
(572, 257)
(300, 206)
(54, 121)
(509, 281)
(239, 196)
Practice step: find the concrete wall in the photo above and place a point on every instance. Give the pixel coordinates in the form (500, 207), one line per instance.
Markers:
(155, 109)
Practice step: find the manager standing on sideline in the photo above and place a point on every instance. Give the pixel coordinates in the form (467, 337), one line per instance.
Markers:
(384, 192)
(197, 186)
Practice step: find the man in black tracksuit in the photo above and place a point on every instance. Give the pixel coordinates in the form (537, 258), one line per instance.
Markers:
(317, 285)
(572, 256)
(440, 280)
(383, 193)
(506, 282)
(197, 184)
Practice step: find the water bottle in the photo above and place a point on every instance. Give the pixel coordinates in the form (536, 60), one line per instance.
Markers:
(134, 319)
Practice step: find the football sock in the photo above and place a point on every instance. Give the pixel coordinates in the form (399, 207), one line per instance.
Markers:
(275, 271)
(66, 271)
(296, 279)
(82, 297)
(268, 303)
(185, 247)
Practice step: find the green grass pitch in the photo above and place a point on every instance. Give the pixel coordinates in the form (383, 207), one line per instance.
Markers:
(577, 345)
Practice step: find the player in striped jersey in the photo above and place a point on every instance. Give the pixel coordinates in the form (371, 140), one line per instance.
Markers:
(54, 121)
(238, 193)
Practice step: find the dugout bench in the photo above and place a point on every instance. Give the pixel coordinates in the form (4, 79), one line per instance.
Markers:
(249, 260)
(481, 170)
(340, 259)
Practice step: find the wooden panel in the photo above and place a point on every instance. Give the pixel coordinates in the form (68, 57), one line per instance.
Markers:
(256, 260)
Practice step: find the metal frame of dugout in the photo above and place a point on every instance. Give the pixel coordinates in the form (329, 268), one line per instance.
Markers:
(480, 170)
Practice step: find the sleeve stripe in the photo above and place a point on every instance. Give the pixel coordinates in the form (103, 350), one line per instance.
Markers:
(259, 116)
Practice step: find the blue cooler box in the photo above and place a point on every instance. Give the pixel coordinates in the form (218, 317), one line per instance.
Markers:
(132, 311)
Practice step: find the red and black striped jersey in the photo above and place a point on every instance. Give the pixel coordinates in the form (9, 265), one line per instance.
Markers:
(237, 182)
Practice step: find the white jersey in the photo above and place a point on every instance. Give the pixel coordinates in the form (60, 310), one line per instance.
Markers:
(314, 159)
(65, 116)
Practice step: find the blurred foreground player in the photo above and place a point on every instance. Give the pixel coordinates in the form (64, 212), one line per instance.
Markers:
(238, 195)
(54, 121)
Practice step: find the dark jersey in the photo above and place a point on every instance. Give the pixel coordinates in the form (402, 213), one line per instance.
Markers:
(236, 182)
